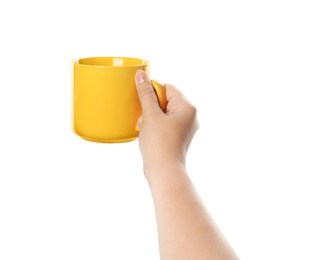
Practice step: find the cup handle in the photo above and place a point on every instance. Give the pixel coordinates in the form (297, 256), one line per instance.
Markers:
(161, 93)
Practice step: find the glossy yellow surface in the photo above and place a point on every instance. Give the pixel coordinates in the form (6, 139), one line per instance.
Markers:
(105, 105)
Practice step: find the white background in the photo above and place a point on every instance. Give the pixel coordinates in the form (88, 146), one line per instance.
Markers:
(245, 65)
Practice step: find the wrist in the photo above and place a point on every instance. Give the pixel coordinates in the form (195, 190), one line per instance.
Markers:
(161, 170)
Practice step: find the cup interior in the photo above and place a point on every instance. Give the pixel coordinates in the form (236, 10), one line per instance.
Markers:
(111, 61)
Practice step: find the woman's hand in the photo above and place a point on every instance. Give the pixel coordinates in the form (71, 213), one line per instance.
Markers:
(164, 138)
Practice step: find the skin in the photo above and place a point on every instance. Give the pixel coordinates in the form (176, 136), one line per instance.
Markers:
(186, 230)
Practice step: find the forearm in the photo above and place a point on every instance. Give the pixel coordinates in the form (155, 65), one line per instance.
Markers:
(185, 228)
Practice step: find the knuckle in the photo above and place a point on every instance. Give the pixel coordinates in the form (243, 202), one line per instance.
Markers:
(194, 117)
(193, 110)
(145, 89)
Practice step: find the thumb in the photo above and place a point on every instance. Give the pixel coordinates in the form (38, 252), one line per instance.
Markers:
(147, 96)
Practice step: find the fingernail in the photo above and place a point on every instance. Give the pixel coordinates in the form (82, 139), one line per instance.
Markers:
(140, 76)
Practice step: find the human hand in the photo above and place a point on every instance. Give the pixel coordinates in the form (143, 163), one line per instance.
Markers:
(164, 138)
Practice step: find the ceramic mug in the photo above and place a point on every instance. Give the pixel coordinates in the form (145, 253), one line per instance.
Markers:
(105, 104)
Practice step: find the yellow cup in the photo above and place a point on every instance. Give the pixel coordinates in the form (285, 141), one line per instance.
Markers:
(105, 104)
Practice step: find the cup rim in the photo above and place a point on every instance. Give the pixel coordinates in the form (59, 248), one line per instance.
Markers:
(76, 62)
